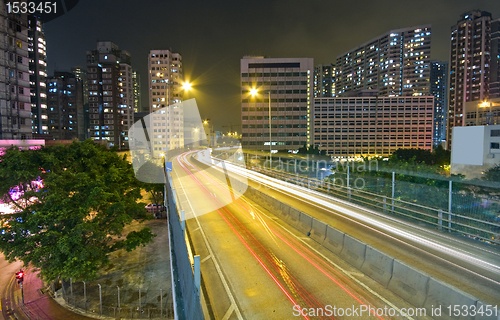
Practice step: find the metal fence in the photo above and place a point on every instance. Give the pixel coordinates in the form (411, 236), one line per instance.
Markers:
(115, 301)
(187, 280)
(472, 215)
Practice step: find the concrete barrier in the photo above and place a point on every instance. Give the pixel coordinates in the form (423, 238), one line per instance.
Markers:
(409, 283)
(318, 231)
(334, 240)
(441, 295)
(284, 211)
(353, 251)
(377, 265)
(487, 310)
(305, 223)
(276, 205)
(293, 217)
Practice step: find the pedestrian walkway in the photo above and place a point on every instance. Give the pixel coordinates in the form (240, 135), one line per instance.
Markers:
(135, 284)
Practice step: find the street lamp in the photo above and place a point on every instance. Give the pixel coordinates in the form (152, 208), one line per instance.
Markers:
(485, 104)
(254, 92)
(206, 122)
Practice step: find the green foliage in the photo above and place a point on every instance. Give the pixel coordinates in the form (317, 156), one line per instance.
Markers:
(69, 227)
(438, 157)
(493, 174)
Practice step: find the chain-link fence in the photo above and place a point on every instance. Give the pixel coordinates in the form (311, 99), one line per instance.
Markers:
(119, 302)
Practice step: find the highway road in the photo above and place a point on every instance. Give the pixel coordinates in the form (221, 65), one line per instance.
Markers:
(255, 266)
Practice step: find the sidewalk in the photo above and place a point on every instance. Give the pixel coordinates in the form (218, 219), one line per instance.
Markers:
(142, 276)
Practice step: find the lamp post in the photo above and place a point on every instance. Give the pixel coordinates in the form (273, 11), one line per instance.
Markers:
(254, 92)
(206, 122)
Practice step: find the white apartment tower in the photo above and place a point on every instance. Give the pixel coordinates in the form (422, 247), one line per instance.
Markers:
(165, 79)
(396, 63)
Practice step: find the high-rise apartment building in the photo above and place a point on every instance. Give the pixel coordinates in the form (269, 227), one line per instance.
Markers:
(38, 74)
(439, 89)
(165, 81)
(65, 106)
(81, 73)
(495, 60)
(396, 63)
(136, 84)
(15, 88)
(469, 65)
(285, 86)
(127, 90)
(109, 114)
(324, 80)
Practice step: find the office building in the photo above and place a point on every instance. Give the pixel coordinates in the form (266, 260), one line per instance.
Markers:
(285, 86)
(165, 79)
(396, 63)
(65, 107)
(15, 88)
(324, 80)
(109, 115)
(439, 89)
(371, 125)
(469, 66)
(38, 73)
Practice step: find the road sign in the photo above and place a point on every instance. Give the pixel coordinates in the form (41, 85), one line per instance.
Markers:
(168, 166)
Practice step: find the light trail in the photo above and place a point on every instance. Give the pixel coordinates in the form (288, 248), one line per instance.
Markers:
(298, 194)
(281, 236)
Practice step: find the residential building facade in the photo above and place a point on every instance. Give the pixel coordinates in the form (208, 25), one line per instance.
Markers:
(324, 80)
(396, 63)
(38, 75)
(109, 115)
(165, 79)
(439, 89)
(65, 107)
(469, 66)
(15, 88)
(285, 86)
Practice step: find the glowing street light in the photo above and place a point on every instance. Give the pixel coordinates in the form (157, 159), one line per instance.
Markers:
(186, 86)
(254, 92)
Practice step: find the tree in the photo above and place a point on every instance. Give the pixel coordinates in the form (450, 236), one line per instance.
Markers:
(492, 174)
(68, 227)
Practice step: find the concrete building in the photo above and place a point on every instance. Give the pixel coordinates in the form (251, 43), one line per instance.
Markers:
(81, 73)
(136, 83)
(38, 75)
(439, 89)
(126, 83)
(495, 60)
(480, 113)
(349, 127)
(65, 107)
(475, 150)
(469, 65)
(165, 79)
(396, 63)
(15, 100)
(109, 116)
(324, 80)
(288, 83)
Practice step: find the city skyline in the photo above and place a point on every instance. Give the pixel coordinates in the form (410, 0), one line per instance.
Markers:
(230, 33)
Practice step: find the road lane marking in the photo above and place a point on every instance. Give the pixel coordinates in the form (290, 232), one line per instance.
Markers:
(349, 274)
(206, 258)
(229, 312)
(209, 248)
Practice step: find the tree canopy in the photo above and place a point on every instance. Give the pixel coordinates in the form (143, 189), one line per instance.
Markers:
(68, 227)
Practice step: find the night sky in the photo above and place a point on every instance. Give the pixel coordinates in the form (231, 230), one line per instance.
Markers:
(212, 36)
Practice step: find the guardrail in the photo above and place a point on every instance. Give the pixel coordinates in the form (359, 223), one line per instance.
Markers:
(187, 304)
(440, 219)
(415, 286)
(471, 225)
